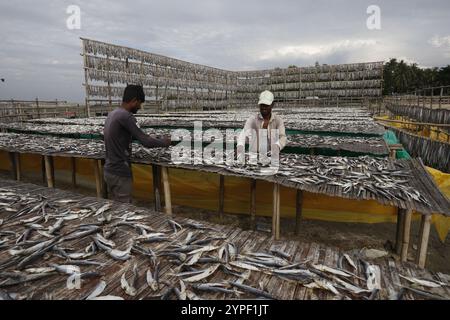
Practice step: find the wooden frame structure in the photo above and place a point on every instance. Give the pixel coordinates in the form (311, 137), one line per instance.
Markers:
(176, 84)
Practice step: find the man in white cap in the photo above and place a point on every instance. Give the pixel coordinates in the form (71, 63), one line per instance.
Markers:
(265, 119)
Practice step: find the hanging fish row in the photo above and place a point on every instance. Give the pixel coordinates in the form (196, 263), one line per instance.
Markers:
(420, 114)
(151, 79)
(434, 153)
(310, 93)
(100, 69)
(109, 50)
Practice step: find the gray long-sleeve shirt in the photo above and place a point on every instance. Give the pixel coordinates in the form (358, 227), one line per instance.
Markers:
(120, 128)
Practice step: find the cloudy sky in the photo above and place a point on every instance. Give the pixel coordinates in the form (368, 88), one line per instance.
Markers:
(40, 56)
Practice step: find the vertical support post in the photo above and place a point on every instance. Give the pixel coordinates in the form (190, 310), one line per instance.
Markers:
(52, 161)
(399, 233)
(86, 79)
(49, 171)
(156, 186)
(74, 171)
(406, 235)
(109, 83)
(298, 211)
(221, 195)
(276, 211)
(424, 236)
(12, 159)
(37, 108)
(43, 169)
(17, 161)
(103, 186)
(253, 203)
(98, 187)
(167, 195)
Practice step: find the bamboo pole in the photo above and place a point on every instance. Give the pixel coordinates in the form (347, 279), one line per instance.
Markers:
(49, 171)
(43, 169)
(253, 203)
(18, 167)
(156, 186)
(399, 233)
(221, 195)
(298, 211)
(406, 235)
(97, 179)
(276, 211)
(12, 160)
(74, 171)
(52, 166)
(167, 195)
(86, 79)
(443, 125)
(104, 185)
(424, 236)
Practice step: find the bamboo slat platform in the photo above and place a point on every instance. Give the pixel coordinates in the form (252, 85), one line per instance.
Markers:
(54, 286)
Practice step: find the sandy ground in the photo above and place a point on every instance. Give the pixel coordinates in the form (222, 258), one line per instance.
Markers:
(348, 236)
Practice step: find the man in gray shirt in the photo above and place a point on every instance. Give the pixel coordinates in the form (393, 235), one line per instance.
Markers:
(120, 128)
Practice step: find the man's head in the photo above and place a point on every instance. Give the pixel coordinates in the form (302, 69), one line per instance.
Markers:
(133, 97)
(266, 103)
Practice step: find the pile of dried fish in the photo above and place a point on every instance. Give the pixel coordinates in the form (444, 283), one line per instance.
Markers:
(53, 128)
(360, 177)
(24, 143)
(59, 239)
(344, 126)
(295, 121)
(357, 178)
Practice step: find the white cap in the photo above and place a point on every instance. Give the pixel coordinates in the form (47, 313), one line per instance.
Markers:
(266, 97)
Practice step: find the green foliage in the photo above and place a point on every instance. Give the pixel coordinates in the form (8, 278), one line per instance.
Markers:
(401, 77)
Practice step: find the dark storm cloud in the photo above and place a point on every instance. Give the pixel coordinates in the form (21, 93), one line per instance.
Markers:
(40, 57)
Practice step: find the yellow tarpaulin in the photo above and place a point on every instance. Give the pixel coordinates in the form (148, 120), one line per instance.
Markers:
(200, 190)
(434, 133)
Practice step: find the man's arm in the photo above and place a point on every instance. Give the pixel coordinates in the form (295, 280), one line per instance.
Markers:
(282, 140)
(146, 140)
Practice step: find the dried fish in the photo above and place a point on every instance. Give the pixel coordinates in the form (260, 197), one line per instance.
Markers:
(249, 289)
(174, 225)
(130, 289)
(204, 274)
(350, 261)
(331, 270)
(423, 283)
(213, 287)
(322, 284)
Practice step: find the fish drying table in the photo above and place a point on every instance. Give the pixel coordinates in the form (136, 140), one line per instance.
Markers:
(291, 174)
(54, 285)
